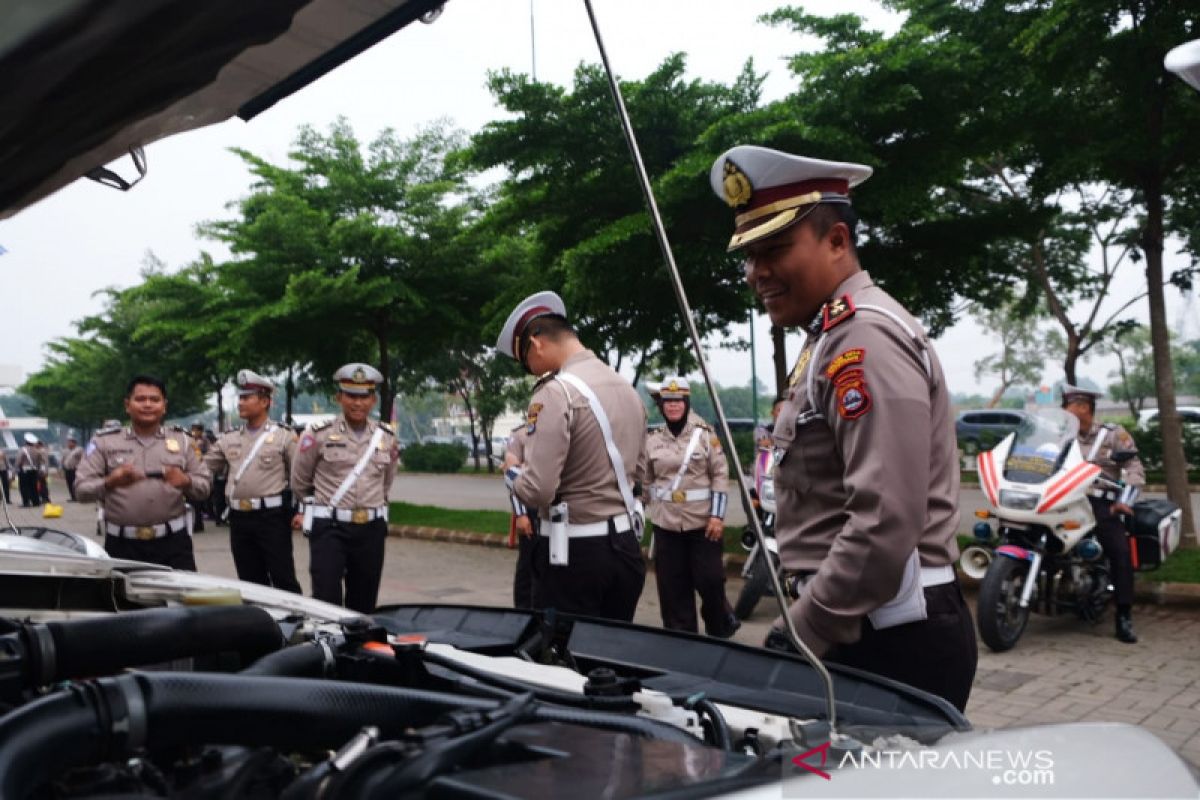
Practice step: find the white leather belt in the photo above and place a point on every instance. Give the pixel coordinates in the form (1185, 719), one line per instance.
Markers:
(359, 516)
(936, 576)
(680, 495)
(620, 525)
(1104, 494)
(256, 503)
(146, 532)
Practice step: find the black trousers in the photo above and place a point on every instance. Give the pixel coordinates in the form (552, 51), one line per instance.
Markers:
(27, 482)
(604, 576)
(261, 542)
(217, 498)
(69, 475)
(686, 563)
(173, 550)
(345, 551)
(5, 483)
(523, 575)
(1111, 533)
(937, 655)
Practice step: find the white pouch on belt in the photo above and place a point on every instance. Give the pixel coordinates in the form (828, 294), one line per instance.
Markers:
(306, 525)
(909, 603)
(557, 530)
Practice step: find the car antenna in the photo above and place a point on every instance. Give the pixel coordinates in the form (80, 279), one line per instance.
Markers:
(686, 311)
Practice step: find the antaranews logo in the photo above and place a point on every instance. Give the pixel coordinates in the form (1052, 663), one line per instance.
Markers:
(980, 772)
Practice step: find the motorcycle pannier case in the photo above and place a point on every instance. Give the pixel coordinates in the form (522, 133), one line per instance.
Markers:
(1154, 533)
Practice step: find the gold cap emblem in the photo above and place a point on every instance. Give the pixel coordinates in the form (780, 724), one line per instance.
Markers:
(737, 186)
(360, 376)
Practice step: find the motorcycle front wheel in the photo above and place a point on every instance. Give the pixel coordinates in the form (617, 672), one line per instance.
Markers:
(758, 583)
(1001, 618)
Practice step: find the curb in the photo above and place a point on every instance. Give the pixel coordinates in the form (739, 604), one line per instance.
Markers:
(1144, 591)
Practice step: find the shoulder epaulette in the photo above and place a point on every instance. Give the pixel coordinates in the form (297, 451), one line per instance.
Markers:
(387, 429)
(836, 311)
(320, 426)
(179, 429)
(544, 378)
(109, 431)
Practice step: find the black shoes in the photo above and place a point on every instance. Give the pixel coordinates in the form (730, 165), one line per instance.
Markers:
(778, 640)
(731, 627)
(1125, 628)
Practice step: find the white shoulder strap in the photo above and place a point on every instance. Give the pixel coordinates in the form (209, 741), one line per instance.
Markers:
(1096, 445)
(614, 455)
(258, 443)
(697, 432)
(352, 478)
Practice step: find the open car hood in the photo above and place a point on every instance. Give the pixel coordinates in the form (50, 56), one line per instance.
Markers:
(88, 81)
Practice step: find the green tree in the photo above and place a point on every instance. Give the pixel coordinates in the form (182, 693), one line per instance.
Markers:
(354, 253)
(571, 197)
(1023, 351)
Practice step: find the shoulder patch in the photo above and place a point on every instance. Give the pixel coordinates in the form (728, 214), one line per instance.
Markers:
(531, 417)
(715, 442)
(836, 311)
(846, 359)
(853, 399)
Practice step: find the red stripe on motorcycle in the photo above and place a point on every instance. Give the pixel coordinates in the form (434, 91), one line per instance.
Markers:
(1086, 472)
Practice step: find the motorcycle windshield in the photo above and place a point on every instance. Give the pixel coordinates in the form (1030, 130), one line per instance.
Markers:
(1040, 446)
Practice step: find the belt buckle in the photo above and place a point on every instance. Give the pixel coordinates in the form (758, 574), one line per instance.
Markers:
(245, 505)
(678, 496)
(144, 532)
(359, 516)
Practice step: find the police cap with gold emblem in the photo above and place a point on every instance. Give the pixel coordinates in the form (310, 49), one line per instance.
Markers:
(360, 379)
(542, 304)
(770, 190)
(673, 387)
(250, 382)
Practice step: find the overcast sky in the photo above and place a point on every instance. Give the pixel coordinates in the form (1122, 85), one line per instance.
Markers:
(87, 237)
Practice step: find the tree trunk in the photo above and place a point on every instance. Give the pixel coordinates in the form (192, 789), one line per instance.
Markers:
(220, 408)
(779, 359)
(465, 393)
(290, 389)
(1164, 376)
(385, 389)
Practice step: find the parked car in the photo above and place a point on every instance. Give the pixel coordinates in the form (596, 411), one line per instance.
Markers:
(1149, 416)
(981, 429)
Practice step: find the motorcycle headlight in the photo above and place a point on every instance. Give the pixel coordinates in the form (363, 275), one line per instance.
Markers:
(1021, 501)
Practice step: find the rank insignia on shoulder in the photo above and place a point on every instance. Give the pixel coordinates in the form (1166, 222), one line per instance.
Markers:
(715, 442)
(320, 426)
(387, 428)
(531, 417)
(853, 399)
(545, 376)
(846, 359)
(836, 311)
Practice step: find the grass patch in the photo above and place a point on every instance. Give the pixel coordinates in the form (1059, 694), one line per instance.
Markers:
(1183, 566)
(495, 523)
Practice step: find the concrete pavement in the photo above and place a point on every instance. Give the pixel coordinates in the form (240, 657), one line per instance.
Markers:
(1062, 670)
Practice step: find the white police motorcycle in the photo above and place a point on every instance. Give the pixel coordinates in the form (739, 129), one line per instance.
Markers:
(1037, 483)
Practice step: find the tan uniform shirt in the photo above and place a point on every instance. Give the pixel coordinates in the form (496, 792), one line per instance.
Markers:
(267, 475)
(1117, 439)
(565, 454)
(72, 457)
(877, 476)
(3, 461)
(27, 458)
(327, 454)
(149, 501)
(707, 469)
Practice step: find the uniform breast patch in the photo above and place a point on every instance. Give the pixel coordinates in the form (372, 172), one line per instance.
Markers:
(846, 359)
(531, 417)
(306, 441)
(853, 399)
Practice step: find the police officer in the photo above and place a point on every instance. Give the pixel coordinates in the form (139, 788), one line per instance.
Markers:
(585, 433)
(5, 479)
(27, 472)
(143, 475)
(258, 457)
(684, 472)
(343, 470)
(70, 463)
(200, 447)
(1098, 442)
(866, 470)
(524, 529)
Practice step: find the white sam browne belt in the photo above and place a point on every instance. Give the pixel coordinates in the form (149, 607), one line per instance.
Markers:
(680, 495)
(588, 529)
(358, 516)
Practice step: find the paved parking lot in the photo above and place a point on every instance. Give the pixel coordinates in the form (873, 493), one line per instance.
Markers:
(1062, 670)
